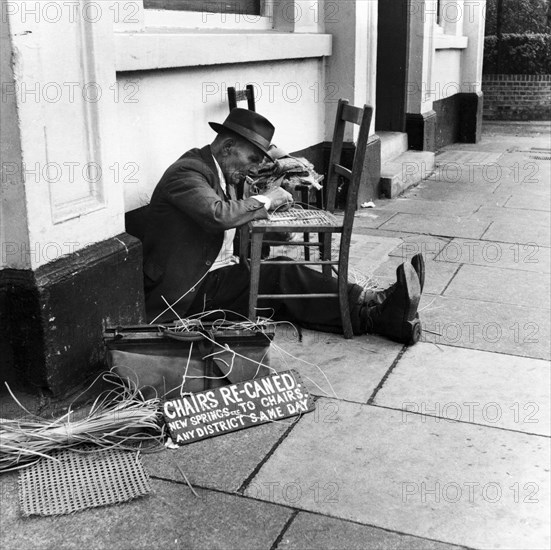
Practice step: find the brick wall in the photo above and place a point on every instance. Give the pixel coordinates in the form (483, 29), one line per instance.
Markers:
(517, 97)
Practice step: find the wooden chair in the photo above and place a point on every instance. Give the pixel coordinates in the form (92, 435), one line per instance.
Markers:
(322, 222)
(241, 95)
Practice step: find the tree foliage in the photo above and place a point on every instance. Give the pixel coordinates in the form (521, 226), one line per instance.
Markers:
(520, 54)
(519, 16)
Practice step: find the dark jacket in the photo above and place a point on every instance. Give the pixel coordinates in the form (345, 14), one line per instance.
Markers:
(187, 218)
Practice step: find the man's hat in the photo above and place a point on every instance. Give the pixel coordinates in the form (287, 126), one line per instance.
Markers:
(249, 125)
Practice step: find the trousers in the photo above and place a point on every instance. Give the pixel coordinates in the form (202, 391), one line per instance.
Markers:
(227, 288)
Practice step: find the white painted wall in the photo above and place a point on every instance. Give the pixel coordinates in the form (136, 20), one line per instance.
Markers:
(445, 59)
(162, 114)
(14, 239)
(473, 57)
(63, 66)
(352, 68)
(447, 74)
(421, 55)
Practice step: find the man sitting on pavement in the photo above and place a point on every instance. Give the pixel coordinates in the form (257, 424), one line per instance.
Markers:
(189, 261)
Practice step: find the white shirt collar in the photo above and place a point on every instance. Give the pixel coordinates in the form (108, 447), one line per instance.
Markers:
(220, 175)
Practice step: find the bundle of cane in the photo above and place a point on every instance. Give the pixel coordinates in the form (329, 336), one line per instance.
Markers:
(284, 171)
(118, 418)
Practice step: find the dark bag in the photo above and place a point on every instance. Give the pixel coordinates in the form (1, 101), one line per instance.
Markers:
(163, 361)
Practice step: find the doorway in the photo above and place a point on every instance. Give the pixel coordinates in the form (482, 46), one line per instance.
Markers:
(392, 65)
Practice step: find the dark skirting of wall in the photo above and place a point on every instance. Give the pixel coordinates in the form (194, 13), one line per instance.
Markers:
(7, 372)
(447, 120)
(56, 315)
(421, 131)
(470, 113)
(458, 119)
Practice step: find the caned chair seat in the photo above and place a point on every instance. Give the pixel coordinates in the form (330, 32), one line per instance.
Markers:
(297, 218)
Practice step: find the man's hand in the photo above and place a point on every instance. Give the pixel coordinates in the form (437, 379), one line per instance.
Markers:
(280, 199)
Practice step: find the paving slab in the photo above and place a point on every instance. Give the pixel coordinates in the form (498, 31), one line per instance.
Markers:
(513, 231)
(440, 208)
(488, 326)
(541, 188)
(499, 143)
(524, 171)
(527, 153)
(526, 179)
(524, 257)
(171, 517)
(372, 218)
(412, 243)
(467, 156)
(494, 389)
(367, 252)
(405, 236)
(541, 192)
(502, 214)
(437, 274)
(332, 366)
(325, 533)
(513, 171)
(205, 462)
(494, 284)
(378, 466)
(458, 226)
(485, 177)
(458, 192)
(521, 200)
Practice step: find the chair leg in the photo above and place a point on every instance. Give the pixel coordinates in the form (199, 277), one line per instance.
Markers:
(244, 241)
(306, 247)
(344, 305)
(325, 253)
(305, 198)
(256, 253)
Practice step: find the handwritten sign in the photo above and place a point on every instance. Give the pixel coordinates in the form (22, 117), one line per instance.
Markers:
(230, 408)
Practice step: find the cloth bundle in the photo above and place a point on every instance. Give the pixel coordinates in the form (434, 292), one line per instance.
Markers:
(284, 171)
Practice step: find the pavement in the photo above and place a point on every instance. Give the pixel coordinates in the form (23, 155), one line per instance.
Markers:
(442, 445)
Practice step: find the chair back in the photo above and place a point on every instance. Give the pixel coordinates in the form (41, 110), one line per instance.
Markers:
(361, 117)
(241, 95)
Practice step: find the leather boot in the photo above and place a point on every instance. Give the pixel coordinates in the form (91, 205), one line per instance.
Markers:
(418, 263)
(396, 318)
(380, 295)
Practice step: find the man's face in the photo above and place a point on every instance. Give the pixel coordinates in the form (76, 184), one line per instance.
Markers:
(242, 159)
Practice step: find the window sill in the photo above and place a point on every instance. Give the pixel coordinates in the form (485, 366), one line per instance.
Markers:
(450, 42)
(205, 20)
(166, 48)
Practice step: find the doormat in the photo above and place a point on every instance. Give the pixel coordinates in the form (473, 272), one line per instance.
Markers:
(79, 480)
